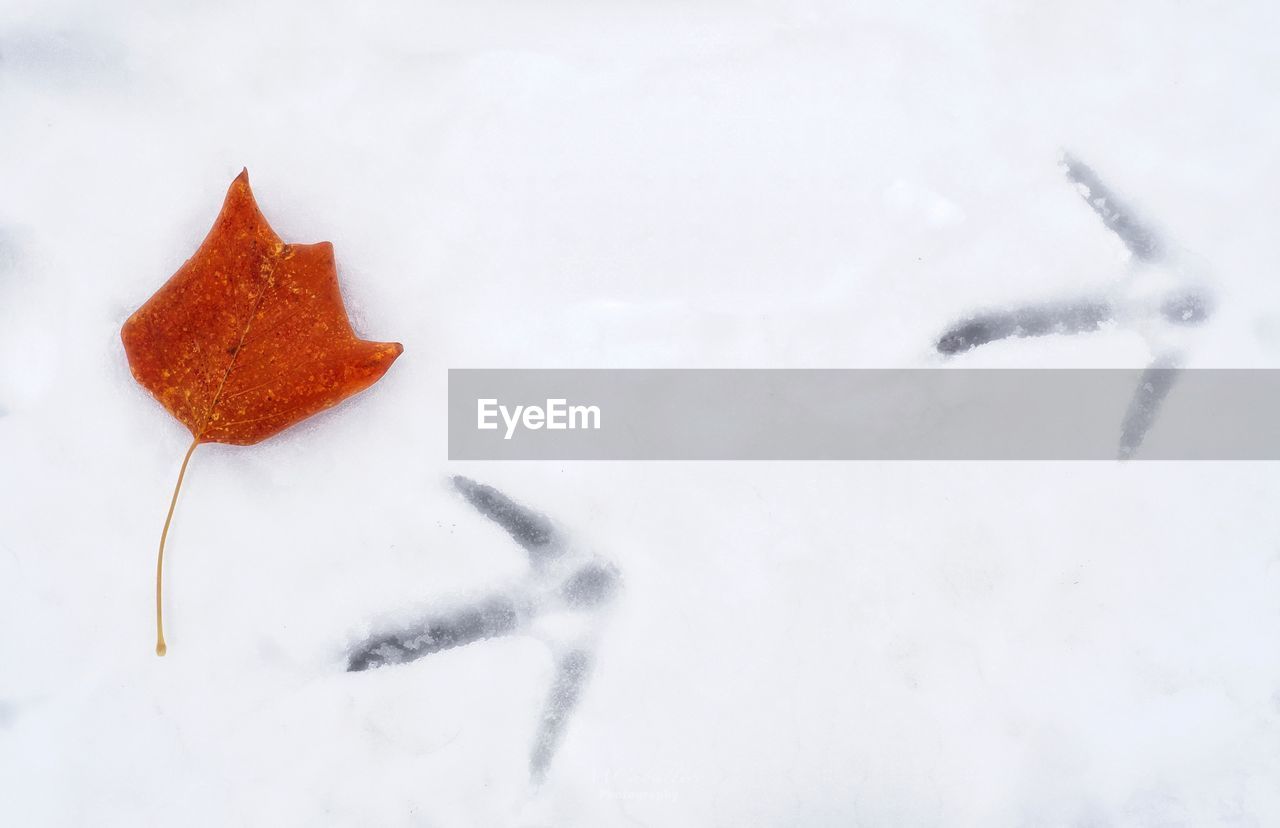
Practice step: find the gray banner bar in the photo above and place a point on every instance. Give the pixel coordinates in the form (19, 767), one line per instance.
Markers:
(881, 414)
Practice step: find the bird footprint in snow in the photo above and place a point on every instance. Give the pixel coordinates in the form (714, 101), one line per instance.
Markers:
(562, 580)
(1157, 298)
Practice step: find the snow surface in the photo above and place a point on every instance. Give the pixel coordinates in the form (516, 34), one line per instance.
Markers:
(574, 184)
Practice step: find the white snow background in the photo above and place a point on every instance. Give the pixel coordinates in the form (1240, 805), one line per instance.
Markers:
(575, 184)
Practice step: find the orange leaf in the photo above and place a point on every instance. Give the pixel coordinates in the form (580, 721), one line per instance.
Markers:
(249, 337)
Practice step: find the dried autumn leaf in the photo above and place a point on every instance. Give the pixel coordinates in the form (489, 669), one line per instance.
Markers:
(249, 337)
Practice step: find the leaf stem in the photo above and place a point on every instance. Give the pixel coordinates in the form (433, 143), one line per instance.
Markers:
(161, 648)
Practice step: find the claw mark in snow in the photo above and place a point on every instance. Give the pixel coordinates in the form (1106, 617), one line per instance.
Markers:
(1031, 320)
(1142, 241)
(489, 618)
(529, 529)
(571, 676)
(1153, 387)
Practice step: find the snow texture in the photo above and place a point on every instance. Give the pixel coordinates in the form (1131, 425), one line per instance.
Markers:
(705, 184)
